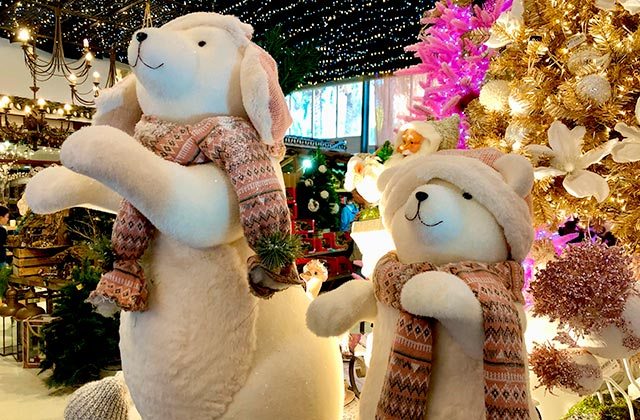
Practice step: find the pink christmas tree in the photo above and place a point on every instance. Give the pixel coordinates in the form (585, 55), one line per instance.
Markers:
(454, 58)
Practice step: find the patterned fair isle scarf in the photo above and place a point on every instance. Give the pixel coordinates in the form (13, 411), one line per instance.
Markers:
(234, 145)
(497, 287)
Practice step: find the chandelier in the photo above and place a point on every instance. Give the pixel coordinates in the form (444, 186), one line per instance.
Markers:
(76, 73)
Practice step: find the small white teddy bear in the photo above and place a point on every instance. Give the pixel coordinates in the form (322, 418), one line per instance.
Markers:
(447, 305)
(205, 347)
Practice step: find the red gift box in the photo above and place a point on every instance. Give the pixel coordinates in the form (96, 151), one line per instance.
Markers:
(304, 226)
(308, 245)
(291, 194)
(329, 240)
(293, 210)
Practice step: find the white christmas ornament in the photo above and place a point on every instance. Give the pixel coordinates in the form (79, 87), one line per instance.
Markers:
(567, 159)
(308, 182)
(494, 95)
(595, 87)
(518, 106)
(334, 208)
(313, 205)
(515, 134)
(629, 149)
(322, 169)
(324, 194)
(587, 60)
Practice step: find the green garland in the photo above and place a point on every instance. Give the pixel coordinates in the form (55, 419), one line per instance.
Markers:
(591, 409)
(278, 250)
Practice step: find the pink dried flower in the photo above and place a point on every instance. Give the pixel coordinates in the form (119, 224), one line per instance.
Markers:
(585, 288)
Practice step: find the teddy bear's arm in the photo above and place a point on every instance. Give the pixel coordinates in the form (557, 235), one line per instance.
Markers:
(193, 204)
(57, 188)
(332, 314)
(448, 299)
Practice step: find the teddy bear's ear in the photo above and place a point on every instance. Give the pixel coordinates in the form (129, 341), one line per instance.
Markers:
(118, 106)
(262, 96)
(517, 173)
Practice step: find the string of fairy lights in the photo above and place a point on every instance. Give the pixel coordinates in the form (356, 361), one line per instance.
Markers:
(356, 37)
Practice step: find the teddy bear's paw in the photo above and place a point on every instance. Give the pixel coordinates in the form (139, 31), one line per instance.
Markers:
(441, 296)
(332, 314)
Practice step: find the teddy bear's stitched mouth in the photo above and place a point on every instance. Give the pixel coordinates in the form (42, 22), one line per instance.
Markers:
(417, 216)
(139, 58)
(428, 225)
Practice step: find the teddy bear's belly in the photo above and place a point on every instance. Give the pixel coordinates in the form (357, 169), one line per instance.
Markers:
(456, 388)
(192, 350)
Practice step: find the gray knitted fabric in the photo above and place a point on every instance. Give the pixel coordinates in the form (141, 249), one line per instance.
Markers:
(106, 399)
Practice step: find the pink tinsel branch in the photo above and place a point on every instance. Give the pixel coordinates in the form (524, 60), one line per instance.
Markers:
(454, 67)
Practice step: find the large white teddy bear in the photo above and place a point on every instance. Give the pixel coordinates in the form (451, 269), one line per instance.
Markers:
(205, 347)
(446, 306)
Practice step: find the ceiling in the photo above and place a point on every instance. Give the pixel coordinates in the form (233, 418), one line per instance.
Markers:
(355, 37)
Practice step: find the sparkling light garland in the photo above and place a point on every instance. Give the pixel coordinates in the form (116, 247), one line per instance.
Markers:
(356, 38)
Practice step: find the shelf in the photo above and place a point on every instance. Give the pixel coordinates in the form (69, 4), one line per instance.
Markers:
(324, 253)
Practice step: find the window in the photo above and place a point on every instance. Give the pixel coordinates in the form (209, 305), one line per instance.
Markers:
(324, 113)
(327, 112)
(300, 103)
(349, 109)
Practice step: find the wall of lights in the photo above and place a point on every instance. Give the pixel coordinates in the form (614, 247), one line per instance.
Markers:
(356, 37)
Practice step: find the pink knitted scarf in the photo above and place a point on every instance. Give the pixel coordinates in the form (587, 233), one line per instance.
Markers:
(497, 287)
(232, 144)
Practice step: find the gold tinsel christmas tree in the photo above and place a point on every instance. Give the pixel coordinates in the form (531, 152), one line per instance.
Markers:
(563, 91)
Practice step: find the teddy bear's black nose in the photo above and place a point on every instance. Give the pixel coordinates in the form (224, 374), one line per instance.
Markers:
(141, 36)
(421, 195)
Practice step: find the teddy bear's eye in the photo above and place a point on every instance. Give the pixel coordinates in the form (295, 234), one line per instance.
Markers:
(467, 196)
(202, 43)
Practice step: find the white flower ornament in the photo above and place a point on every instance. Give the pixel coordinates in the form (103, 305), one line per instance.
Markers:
(629, 149)
(567, 159)
(511, 22)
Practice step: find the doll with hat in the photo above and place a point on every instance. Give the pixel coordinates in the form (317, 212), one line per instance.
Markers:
(186, 150)
(446, 305)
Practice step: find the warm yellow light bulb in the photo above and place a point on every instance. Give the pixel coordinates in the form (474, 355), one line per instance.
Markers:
(41, 102)
(24, 35)
(27, 109)
(67, 107)
(89, 56)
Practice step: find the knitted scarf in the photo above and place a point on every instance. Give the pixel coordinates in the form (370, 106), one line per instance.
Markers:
(497, 287)
(232, 144)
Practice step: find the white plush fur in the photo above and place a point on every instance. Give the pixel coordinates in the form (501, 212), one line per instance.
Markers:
(57, 184)
(206, 348)
(468, 231)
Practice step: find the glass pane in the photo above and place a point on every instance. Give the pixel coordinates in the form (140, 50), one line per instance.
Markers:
(324, 112)
(350, 109)
(372, 115)
(300, 108)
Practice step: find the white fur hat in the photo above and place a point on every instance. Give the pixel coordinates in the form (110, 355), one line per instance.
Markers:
(501, 183)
